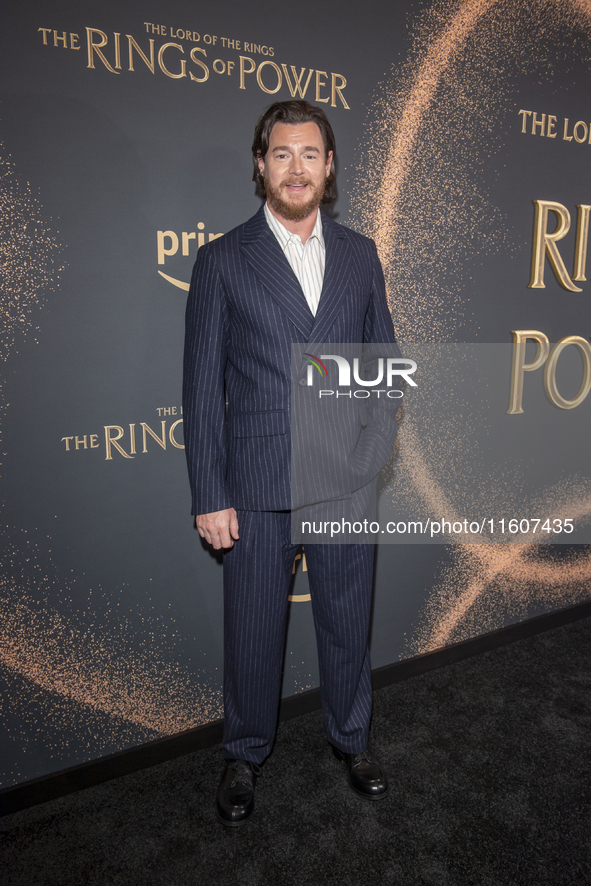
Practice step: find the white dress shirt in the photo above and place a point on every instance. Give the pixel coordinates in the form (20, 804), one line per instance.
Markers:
(307, 260)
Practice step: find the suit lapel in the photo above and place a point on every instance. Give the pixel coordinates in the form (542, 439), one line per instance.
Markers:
(263, 253)
(336, 276)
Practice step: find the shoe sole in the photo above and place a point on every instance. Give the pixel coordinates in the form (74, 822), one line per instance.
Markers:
(234, 824)
(373, 797)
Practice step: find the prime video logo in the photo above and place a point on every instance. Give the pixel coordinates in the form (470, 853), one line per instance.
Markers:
(387, 370)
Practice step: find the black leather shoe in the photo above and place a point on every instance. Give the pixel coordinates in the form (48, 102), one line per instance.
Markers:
(235, 797)
(365, 774)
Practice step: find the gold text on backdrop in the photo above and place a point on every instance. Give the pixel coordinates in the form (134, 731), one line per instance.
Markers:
(548, 358)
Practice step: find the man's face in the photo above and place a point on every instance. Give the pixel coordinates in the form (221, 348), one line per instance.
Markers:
(295, 169)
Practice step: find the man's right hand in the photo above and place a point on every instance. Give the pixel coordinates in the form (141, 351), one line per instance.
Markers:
(219, 529)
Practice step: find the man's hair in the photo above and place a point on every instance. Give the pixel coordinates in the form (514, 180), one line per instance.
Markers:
(293, 113)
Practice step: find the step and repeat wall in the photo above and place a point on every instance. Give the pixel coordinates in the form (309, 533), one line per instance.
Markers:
(464, 142)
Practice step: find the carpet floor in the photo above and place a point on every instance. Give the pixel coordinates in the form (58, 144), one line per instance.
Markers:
(490, 765)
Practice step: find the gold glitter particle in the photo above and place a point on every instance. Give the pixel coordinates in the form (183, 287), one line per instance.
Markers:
(28, 257)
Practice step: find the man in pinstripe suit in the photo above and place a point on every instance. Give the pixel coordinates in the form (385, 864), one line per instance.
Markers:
(290, 274)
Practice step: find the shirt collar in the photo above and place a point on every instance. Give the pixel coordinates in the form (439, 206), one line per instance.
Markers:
(284, 236)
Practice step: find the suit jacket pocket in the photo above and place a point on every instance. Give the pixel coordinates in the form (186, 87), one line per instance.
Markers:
(258, 424)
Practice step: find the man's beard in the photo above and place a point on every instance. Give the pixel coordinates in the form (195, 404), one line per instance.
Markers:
(291, 211)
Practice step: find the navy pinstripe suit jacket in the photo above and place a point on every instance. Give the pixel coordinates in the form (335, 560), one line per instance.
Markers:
(245, 309)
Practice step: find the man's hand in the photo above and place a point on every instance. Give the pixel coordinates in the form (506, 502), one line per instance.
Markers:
(219, 528)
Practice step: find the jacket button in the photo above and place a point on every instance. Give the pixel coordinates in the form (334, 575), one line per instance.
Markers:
(303, 382)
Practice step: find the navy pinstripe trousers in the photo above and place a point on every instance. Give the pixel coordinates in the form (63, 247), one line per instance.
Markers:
(257, 575)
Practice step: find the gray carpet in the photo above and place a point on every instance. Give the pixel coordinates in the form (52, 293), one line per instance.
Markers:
(490, 764)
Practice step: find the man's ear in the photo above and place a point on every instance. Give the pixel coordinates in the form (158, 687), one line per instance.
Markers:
(261, 163)
(328, 163)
